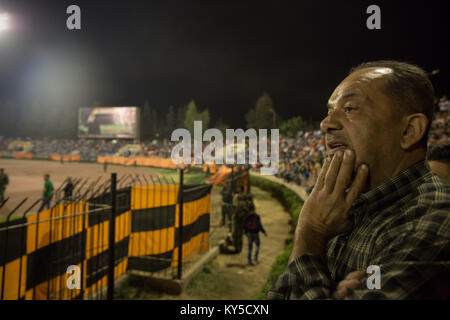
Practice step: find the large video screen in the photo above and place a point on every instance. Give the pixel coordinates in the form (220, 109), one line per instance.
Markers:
(108, 122)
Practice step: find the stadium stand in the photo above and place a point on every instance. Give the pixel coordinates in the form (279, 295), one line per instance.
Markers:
(301, 156)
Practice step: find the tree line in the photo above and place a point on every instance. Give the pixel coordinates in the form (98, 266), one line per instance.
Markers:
(262, 116)
(42, 120)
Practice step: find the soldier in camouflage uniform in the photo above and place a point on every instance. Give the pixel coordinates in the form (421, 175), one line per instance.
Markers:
(232, 237)
(227, 205)
(243, 204)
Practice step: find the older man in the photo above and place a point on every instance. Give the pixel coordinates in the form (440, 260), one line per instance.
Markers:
(376, 204)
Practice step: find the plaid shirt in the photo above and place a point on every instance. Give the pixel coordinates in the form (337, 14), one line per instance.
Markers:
(402, 226)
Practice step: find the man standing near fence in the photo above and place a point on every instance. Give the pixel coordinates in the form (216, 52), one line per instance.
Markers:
(48, 192)
(238, 222)
(238, 211)
(243, 204)
(4, 181)
(227, 206)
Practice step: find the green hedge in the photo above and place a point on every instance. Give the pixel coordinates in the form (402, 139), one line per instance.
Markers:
(293, 204)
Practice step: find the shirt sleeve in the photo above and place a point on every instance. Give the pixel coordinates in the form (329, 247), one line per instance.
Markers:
(307, 277)
(411, 256)
(407, 265)
(408, 262)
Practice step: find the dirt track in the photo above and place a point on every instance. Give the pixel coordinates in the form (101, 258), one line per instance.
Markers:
(26, 178)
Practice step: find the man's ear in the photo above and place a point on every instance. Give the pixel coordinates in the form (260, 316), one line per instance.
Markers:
(414, 129)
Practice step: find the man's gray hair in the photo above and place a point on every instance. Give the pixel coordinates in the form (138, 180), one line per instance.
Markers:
(409, 86)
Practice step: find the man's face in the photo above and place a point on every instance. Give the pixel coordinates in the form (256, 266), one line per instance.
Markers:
(361, 118)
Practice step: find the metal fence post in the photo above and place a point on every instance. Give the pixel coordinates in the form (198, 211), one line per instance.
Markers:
(6, 247)
(112, 228)
(180, 227)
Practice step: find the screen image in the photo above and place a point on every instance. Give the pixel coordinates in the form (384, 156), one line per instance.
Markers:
(108, 122)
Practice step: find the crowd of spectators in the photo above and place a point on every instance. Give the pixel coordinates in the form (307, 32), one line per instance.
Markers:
(88, 149)
(440, 129)
(301, 157)
(158, 149)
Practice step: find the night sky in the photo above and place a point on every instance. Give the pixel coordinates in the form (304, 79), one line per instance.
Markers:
(223, 55)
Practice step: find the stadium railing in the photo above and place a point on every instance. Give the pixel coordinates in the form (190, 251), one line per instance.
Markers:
(82, 245)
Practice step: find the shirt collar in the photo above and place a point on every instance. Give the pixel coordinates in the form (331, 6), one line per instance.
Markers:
(391, 190)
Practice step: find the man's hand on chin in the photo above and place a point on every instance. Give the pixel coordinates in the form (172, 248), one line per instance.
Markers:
(324, 214)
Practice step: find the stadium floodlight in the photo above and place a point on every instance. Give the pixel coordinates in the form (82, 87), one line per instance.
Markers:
(4, 22)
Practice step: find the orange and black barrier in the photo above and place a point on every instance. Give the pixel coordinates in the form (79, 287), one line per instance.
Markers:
(139, 161)
(22, 155)
(65, 157)
(37, 249)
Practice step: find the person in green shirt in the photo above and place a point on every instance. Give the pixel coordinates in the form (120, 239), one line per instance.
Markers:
(4, 181)
(48, 193)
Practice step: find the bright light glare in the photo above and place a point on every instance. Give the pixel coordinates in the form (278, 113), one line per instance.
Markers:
(4, 21)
